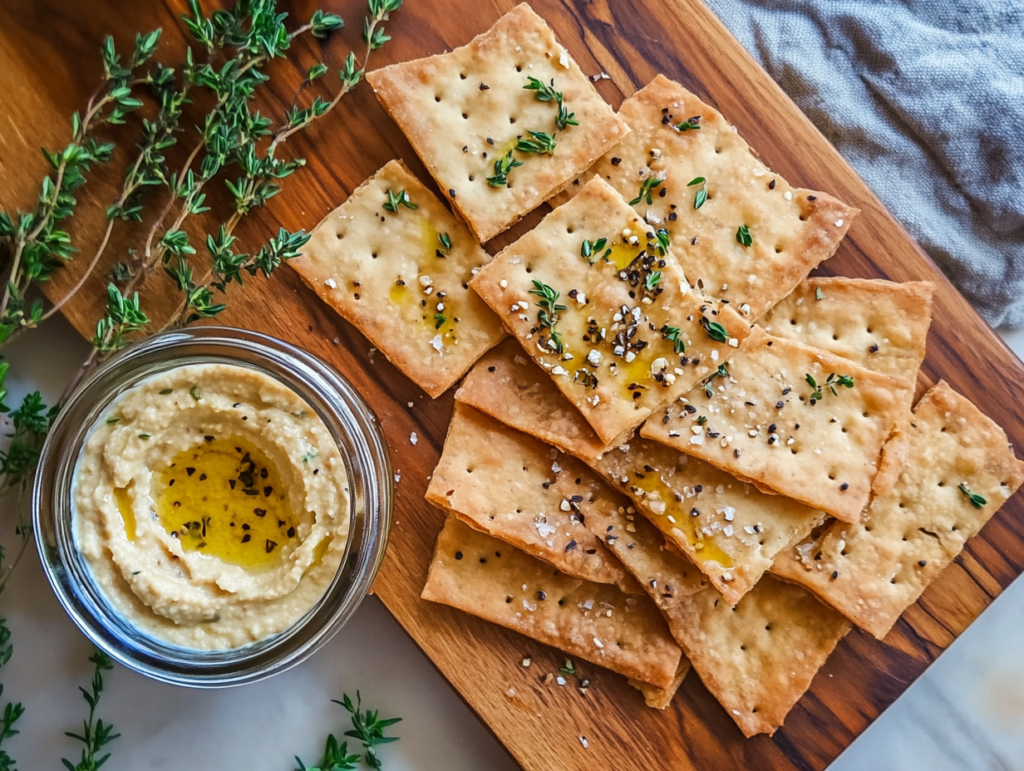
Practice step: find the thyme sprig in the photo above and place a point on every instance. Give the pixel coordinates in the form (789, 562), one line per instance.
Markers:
(547, 93)
(263, 174)
(12, 710)
(592, 250)
(832, 382)
(96, 734)
(37, 246)
(743, 237)
(646, 188)
(502, 167)
(367, 727)
(538, 142)
(548, 313)
(397, 200)
(690, 124)
(709, 382)
(977, 501)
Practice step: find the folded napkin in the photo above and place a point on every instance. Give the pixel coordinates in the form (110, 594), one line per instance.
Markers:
(925, 99)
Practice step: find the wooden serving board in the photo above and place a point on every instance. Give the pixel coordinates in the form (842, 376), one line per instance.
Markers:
(48, 66)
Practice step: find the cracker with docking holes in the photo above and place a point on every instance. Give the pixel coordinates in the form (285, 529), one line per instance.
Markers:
(488, 578)
(881, 325)
(502, 123)
(740, 231)
(596, 298)
(959, 471)
(760, 657)
(793, 419)
(516, 488)
(395, 263)
(729, 528)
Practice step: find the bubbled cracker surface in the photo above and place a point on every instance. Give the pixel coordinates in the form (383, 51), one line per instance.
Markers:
(551, 254)
(460, 128)
(874, 570)
(515, 488)
(760, 657)
(486, 577)
(824, 454)
(881, 325)
(727, 528)
(372, 267)
(793, 229)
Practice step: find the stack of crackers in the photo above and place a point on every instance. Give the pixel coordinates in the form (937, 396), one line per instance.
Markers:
(672, 447)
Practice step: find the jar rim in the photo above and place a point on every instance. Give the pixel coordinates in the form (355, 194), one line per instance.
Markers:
(360, 442)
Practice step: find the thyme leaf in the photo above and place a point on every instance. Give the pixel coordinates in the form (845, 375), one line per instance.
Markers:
(675, 336)
(649, 184)
(977, 501)
(715, 331)
(743, 237)
(502, 167)
(538, 142)
(397, 200)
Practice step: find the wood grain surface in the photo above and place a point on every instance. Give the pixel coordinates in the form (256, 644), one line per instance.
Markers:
(49, 64)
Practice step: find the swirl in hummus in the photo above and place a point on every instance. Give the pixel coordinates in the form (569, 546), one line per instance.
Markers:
(212, 506)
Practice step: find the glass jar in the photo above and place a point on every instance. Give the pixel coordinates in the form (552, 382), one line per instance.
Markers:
(360, 443)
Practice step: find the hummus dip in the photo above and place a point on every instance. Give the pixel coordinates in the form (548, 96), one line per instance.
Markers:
(212, 506)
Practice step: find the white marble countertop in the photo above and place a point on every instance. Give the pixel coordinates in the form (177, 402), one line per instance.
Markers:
(965, 712)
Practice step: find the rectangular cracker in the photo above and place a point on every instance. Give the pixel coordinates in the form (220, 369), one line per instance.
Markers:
(488, 578)
(792, 229)
(618, 363)
(881, 325)
(872, 571)
(507, 385)
(463, 111)
(762, 423)
(389, 274)
(760, 657)
(516, 488)
(728, 528)
(653, 475)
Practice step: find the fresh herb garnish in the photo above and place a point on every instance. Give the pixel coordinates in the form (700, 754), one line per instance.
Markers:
(818, 294)
(96, 734)
(649, 184)
(568, 669)
(397, 200)
(652, 280)
(502, 167)
(832, 382)
(166, 391)
(439, 320)
(195, 393)
(701, 419)
(715, 331)
(12, 710)
(675, 335)
(590, 249)
(549, 310)
(545, 93)
(366, 727)
(113, 419)
(309, 455)
(538, 142)
(144, 436)
(446, 245)
(743, 237)
(690, 124)
(977, 501)
(708, 382)
(702, 194)
(664, 240)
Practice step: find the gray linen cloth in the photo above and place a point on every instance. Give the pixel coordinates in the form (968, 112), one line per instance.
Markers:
(925, 99)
